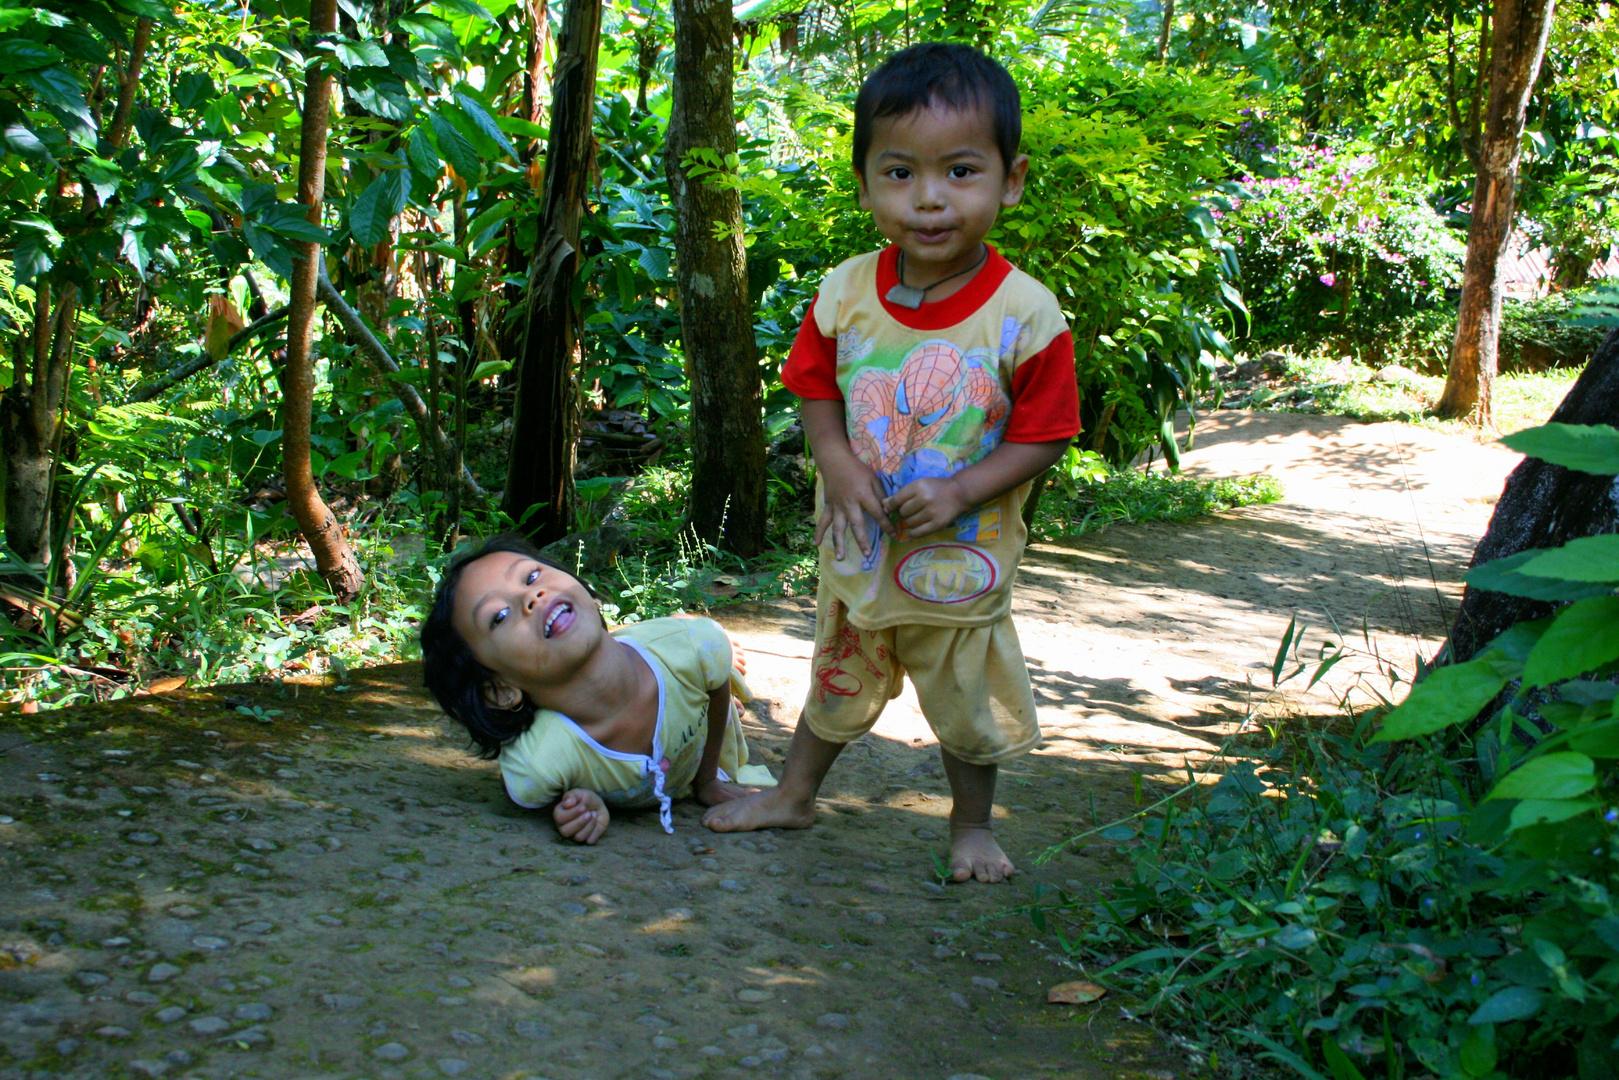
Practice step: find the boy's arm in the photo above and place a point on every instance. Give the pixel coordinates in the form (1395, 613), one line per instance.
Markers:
(850, 488)
(581, 816)
(929, 504)
(707, 785)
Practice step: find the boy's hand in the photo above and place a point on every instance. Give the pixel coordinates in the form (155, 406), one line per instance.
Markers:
(927, 505)
(581, 816)
(852, 494)
(718, 791)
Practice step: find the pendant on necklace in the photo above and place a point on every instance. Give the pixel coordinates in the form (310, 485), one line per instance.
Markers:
(908, 296)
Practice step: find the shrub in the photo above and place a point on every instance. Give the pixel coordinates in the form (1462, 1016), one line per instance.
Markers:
(1337, 248)
(1435, 898)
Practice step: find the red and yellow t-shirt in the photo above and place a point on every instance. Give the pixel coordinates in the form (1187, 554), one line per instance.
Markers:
(928, 392)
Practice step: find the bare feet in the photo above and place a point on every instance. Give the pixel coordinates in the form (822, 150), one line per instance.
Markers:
(771, 809)
(974, 854)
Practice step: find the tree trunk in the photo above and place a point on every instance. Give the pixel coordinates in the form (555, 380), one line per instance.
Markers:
(1519, 32)
(716, 319)
(545, 418)
(334, 559)
(1543, 506)
(29, 417)
(1166, 24)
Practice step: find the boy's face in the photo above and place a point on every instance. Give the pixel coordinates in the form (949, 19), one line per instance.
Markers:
(934, 182)
(530, 624)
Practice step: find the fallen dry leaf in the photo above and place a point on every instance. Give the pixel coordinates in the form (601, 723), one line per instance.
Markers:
(1074, 993)
(167, 685)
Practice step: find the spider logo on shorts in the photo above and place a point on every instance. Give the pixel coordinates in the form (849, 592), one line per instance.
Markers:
(831, 677)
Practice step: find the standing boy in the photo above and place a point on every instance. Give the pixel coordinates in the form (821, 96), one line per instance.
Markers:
(937, 382)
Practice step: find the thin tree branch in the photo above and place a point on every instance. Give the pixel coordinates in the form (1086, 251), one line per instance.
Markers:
(377, 353)
(206, 360)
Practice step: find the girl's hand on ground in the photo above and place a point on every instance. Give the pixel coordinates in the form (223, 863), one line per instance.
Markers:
(927, 505)
(718, 791)
(851, 495)
(581, 816)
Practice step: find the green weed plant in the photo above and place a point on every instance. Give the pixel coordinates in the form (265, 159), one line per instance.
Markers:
(1428, 893)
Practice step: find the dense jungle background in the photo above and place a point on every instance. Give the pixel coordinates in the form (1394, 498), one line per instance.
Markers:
(297, 296)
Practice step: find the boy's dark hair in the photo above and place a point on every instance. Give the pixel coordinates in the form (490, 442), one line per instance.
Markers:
(453, 674)
(935, 73)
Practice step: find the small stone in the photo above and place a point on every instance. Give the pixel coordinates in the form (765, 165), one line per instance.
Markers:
(679, 914)
(967, 1076)
(453, 1066)
(591, 950)
(253, 1011)
(450, 1002)
(959, 1000)
(89, 979)
(7, 819)
(170, 1014)
(257, 926)
(113, 1031)
(532, 1029)
(598, 900)
(832, 1021)
(777, 869)
(328, 920)
(664, 1042)
(397, 872)
(141, 997)
(733, 885)
(342, 1002)
(753, 996)
(252, 1036)
(751, 1061)
(710, 1051)
(709, 864)
(987, 957)
(143, 838)
(162, 973)
(210, 1025)
(460, 982)
(814, 1050)
(943, 952)
(573, 909)
(65, 1047)
(875, 918)
(211, 943)
(774, 1053)
(463, 1037)
(183, 911)
(743, 1031)
(933, 888)
(148, 1067)
(984, 982)
(652, 1020)
(391, 1051)
(925, 834)
(259, 843)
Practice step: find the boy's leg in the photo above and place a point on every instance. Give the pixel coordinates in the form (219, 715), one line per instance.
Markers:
(791, 803)
(974, 852)
(973, 686)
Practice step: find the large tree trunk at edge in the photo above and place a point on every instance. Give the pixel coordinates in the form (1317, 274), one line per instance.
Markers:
(545, 420)
(1544, 506)
(1520, 29)
(334, 559)
(716, 320)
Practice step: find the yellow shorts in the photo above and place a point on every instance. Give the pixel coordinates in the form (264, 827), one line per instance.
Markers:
(972, 683)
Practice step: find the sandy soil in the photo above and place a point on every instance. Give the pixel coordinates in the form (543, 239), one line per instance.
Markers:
(339, 891)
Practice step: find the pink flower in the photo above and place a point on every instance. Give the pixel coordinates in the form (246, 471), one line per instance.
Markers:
(1329, 280)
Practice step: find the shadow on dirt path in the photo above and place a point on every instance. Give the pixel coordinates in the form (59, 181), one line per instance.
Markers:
(341, 892)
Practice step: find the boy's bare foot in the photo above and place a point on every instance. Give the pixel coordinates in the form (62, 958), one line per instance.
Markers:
(771, 809)
(974, 854)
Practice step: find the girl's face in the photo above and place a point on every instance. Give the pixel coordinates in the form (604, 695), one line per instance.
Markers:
(531, 624)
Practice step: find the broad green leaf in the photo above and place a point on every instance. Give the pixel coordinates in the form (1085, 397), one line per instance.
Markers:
(57, 86)
(1548, 811)
(1563, 775)
(1581, 638)
(30, 258)
(373, 212)
(1592, 448)
(1600, 740)
(421, 155)
(1504, 1006)
(354, 54)
(454, 148)
(516, 125)
(1504, 576)
(481, 119)
(1589, 558)
(489, 369)
(22, 54)
(1477, 1053)
(1449, 695)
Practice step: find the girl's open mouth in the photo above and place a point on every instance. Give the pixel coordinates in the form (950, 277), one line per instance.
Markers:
(560, 618)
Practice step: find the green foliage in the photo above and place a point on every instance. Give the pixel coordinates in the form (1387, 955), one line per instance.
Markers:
(1085, 497)
(1439, 896)
(1336, 247)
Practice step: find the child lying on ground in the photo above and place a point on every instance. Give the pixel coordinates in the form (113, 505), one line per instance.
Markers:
(580, 719)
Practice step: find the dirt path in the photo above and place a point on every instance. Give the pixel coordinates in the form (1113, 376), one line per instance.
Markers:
(340, 892)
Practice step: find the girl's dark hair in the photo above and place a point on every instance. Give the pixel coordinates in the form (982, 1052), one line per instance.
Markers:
(934, 73)
(453, 674)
